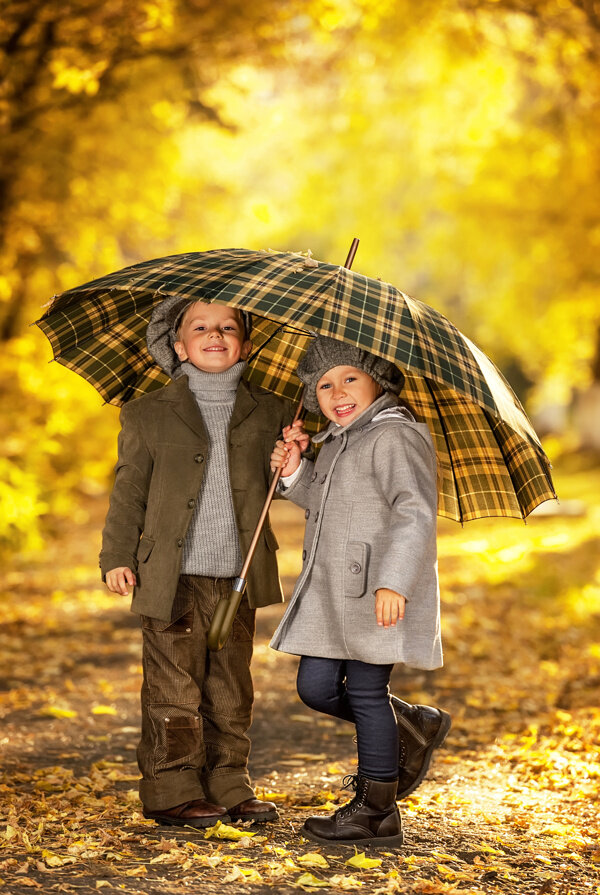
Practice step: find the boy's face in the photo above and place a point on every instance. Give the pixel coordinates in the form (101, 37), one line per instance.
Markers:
(211, 337)
(344, 392)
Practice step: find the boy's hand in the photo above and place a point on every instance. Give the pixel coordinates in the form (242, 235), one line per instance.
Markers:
(389, 607)
(118, 579)
(297, 433)
(285, 457)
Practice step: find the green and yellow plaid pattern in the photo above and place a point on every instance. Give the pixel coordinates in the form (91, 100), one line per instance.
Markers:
(490, 459)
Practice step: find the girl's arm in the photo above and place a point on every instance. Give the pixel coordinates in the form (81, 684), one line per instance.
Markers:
(405, 469)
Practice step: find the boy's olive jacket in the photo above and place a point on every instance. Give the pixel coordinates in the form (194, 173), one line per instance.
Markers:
(163, 450)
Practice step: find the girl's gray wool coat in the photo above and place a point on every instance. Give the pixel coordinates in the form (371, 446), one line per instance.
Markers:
(370, 502)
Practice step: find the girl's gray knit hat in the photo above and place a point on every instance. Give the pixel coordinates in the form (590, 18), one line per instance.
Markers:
(323, 353)
(161, 333)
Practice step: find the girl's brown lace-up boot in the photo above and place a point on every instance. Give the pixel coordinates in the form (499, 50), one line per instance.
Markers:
(371, 818)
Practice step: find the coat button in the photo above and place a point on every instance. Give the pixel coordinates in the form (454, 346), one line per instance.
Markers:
(304, 554)
(314, 476)
(180, 542)
(306, 514)
(355, 568)
(323, 479)
(191, 503)
(199, 458)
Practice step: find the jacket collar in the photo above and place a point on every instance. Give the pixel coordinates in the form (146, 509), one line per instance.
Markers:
(178, 393)
(245, 402)
(334, 430)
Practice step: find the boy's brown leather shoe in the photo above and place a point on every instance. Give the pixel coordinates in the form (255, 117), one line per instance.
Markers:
(421, 729)
(255, 810)
(197, 813)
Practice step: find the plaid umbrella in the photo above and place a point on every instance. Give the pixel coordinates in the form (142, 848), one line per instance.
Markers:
(490, 459)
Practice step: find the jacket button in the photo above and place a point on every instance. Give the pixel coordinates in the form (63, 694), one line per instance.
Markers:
(306, 514)
(191, 503)
(313, 477)
(323, 479)
(180, 542)
(199, 458)
(304, 554)
(355, 568)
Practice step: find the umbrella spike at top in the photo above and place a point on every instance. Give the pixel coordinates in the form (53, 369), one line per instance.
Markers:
(352, 252)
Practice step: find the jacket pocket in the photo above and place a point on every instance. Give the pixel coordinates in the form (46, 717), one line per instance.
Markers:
(145, 548)
(355, 569)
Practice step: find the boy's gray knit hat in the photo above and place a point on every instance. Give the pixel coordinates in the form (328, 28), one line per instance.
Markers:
(161, 333)
(323, 353)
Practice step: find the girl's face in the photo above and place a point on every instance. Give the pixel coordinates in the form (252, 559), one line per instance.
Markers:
(344, 392)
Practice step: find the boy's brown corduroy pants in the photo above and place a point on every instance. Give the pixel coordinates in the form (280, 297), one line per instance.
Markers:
(196, 704)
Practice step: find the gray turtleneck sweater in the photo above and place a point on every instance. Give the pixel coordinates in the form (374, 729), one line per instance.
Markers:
(212, 545)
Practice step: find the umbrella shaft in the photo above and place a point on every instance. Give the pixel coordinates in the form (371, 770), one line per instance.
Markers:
(259, 525)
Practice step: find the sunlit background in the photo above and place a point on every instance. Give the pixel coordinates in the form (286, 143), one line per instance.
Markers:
(457, 139)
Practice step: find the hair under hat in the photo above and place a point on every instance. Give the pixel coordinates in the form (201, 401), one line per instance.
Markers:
(323, 353)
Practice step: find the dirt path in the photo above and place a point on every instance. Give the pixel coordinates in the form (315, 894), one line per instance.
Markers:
(510, 804)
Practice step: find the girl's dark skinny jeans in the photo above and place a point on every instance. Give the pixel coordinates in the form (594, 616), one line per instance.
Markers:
(357, 692)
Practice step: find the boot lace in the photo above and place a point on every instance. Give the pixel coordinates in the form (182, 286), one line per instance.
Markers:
(358, 785)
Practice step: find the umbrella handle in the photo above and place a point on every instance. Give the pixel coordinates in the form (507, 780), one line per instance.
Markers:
(224, 614)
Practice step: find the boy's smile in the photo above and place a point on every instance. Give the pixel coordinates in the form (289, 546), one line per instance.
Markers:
(212, 337)
(344, 392)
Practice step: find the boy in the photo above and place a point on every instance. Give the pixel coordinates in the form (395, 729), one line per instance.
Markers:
(191, 478)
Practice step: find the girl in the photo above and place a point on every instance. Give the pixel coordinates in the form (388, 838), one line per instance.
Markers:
(368, 594)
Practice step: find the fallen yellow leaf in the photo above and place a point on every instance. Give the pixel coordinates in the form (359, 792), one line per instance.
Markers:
(346, 882)
(224, 831)
(104, 710)
(361, 861)
(238, 873)
(54, 711)
(307, 880)
(312, 859)
(53, 860)
(309, 756)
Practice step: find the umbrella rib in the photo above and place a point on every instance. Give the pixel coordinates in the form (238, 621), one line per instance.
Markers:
(264, 344)
(281, 327)
(441, 419)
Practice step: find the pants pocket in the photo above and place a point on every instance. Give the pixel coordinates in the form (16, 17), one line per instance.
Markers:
(182, 737)
(244, 623)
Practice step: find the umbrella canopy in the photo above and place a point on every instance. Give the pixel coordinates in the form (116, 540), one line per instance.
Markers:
(490, 459)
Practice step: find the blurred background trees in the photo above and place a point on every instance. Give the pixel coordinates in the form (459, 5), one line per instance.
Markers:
(456, 138)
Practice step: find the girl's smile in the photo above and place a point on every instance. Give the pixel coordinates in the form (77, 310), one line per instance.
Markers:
(344, 392)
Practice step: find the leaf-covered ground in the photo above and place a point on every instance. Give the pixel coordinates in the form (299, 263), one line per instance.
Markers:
(511, 803)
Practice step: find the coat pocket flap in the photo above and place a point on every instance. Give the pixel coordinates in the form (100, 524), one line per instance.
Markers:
(355, 568)
(145, 548)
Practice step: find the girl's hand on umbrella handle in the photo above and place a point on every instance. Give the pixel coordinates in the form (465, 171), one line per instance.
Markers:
(285, 457)
(297, 433)
(389, 607)
(118, 579)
